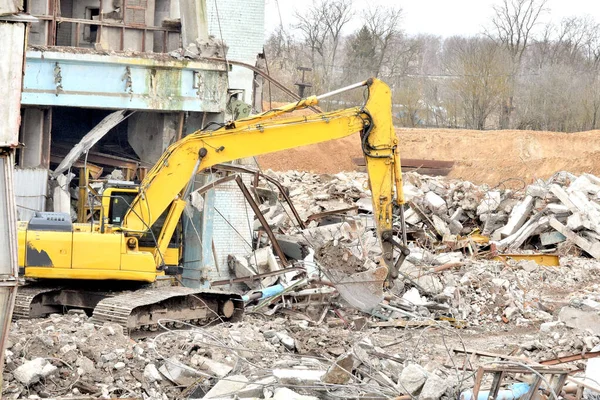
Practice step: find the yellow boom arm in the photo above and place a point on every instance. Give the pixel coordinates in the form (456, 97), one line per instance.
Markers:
(167, 183)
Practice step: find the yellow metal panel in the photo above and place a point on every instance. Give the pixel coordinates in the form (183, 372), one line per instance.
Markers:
(91, 274)
(92, 250)
(21, 236)
(139, 261)
(172, 255)
(548, 260)
(48, 249)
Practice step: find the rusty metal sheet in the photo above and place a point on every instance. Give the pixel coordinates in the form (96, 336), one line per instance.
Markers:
(12, 37)
(30, 191)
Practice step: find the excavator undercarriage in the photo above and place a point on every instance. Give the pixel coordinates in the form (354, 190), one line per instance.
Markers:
(139, 312)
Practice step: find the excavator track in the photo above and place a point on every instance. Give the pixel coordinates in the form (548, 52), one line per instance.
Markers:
(28, 304)
(142, 312)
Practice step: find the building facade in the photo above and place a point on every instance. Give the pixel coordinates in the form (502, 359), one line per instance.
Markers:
(88, 58)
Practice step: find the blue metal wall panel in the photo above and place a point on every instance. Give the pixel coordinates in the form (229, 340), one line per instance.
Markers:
(120, 82)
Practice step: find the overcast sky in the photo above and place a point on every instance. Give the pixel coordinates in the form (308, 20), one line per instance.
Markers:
(438, 17)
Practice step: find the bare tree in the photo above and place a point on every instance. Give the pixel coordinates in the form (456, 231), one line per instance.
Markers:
(480, 77)
(513, 23)
(384, 25)
(513, 26)
(321, 27)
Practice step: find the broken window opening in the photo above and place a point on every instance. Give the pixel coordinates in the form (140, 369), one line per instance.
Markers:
(90, 32)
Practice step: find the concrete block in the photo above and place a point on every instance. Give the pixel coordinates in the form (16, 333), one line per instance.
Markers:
(440, 226)
(412, 379)
(580, 319)
(490, 202)
(286, 340)
(210, 366)
(435, 203)
(557, 209)
(411, 217)
(517, 217)
(434, 388)
(32, 371)
(563, 197)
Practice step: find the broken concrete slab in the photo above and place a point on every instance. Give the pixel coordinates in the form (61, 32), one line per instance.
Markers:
(563, 197)
(151, 373)
(580, 319)
(340, 372)
(178, 373)
(298, 376)
(518, 216)
(592, 249)
(210, 366)
(227, 387)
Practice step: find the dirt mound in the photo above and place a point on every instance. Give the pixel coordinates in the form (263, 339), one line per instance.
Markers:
(491, 157)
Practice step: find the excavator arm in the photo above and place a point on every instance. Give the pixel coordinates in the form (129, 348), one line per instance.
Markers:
(167, 184)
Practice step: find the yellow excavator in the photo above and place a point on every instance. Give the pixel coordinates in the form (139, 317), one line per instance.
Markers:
(68, 260)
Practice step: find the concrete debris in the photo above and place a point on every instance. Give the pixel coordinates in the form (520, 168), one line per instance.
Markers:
(32, 371)
(434, 388)
(302, 339)
(412, 379)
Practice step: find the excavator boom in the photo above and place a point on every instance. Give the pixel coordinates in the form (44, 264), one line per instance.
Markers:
(167, 183)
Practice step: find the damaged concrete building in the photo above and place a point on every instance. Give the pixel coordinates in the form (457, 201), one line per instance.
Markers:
(160, 61)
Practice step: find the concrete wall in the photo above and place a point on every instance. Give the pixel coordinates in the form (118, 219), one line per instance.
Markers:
(242, 25)
(151, 133)
(11, 64)
(232, 226)
(35, 135)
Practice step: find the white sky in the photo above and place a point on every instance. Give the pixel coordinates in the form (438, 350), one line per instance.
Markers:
(438, 17)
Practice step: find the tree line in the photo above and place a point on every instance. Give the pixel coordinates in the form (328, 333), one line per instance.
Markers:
(519, 73)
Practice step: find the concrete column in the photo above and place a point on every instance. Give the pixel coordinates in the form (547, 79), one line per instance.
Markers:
(35, 135)
(194, 24)
(151, 133)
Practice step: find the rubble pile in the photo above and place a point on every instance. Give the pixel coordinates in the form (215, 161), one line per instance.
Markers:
(321, 325)
(66, 356)
(543, 216)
